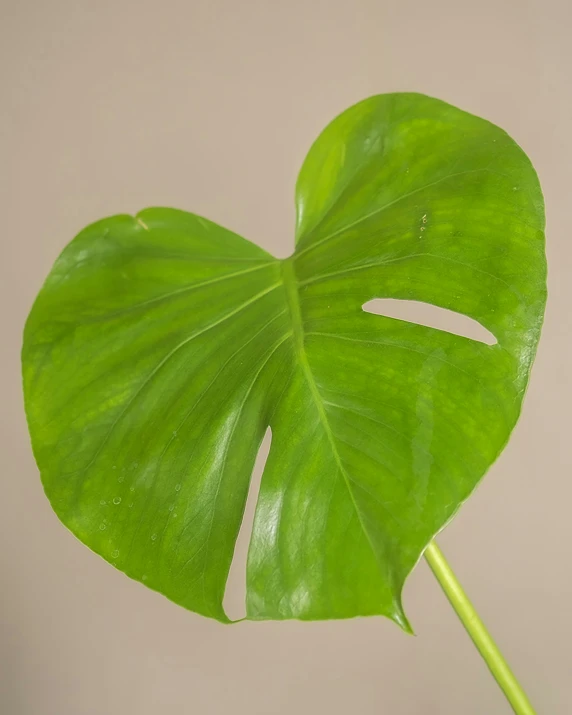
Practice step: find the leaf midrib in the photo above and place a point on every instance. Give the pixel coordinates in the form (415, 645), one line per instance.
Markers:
(291, 287)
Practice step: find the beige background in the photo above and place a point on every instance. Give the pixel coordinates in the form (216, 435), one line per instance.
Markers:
(110, 106)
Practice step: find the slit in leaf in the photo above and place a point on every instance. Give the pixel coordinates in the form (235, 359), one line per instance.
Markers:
(235, 593)
(431, 316)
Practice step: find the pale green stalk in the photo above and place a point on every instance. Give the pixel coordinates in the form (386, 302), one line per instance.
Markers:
(478, 632)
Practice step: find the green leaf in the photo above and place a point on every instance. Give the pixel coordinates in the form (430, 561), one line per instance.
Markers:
(161, 347)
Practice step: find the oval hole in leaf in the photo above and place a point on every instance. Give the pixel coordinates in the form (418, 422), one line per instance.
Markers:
(431, 316)
(235, 592)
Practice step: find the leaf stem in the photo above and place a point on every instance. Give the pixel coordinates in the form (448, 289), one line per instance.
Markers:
(478, 632)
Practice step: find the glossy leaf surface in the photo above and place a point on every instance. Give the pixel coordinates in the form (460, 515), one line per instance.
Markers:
(161, 347)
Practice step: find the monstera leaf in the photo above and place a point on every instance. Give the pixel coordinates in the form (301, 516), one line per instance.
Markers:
(162, 346)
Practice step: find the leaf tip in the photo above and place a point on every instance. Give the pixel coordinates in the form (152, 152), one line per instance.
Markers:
(398, 616)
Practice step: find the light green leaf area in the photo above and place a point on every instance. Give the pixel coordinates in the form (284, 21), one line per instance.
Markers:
(162, 347)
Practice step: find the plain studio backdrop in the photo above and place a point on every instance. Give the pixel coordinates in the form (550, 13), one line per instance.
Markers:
(110, 106)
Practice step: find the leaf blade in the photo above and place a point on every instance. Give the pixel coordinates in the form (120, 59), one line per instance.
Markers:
(162, 346)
